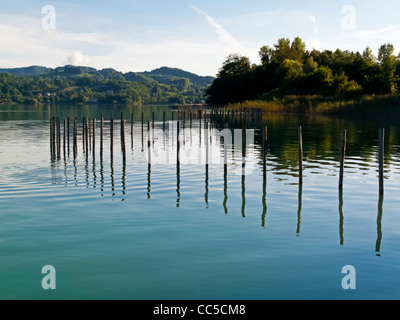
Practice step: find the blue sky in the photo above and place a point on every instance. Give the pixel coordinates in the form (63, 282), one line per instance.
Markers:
(138, 35)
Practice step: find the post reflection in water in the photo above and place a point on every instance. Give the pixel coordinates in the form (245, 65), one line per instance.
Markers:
(299, 208)
(178, 185)
(204, 150)
(206, 187)
(225, 192)
(102, 176)
(149, 181)
(243, 196)
(264, 203)
(112, 176)
(341, 217)
(379, 225)
(123, 181)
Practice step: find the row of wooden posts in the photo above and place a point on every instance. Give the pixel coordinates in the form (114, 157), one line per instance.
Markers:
(89, 142)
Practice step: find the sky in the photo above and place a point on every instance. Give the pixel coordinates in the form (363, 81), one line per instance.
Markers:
(193, 35)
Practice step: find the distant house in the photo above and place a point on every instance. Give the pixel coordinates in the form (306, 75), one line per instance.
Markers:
(47, 94)
(93, 100)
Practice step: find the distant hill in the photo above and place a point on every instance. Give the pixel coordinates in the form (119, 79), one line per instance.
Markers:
(164, 74)
(161, 75)
(27, 71)
(80, 84)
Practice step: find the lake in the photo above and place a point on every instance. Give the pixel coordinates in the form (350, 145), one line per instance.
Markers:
(116, 229)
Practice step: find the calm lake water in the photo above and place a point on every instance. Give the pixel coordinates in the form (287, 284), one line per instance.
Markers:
(124, 230)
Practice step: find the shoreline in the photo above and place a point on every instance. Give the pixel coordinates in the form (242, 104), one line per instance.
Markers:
(323, 105)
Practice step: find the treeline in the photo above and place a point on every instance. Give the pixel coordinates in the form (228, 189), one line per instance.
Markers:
(288, 68)
(72, 84)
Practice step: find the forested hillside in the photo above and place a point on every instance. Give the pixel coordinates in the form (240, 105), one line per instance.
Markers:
(72, 84)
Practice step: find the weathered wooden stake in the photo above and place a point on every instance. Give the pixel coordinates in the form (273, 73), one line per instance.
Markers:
(86, 136)
(65, 137)
(207, 143)
(342, 158)
(58, 138)
(75, 137)
(381, 159)
(51, 138)
(300, 155)
(164, 121)
(94, 137)
(149, 142)
(111, 136)
(101, 136)
(178, 127)
(123, 147)
(90, 134)
(265, 138)
(68, 135)
(83, 134)
(142, 129)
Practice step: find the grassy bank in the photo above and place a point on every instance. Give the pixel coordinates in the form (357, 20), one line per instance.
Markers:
(324, 105)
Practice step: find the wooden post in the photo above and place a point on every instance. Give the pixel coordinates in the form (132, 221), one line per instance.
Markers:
(243, 150)
(51, 138)
(68, 135)
(83, 134)
(142, 130)
(132, 125)
(123, 147)
(86, 136)
(342, 158)
(225, 154)
(65, 136)
(94, 137)
(101, 136)
(111, 136)
(153, 120)
(90, 134)
(164, 121)
(149, 142)
(178, 125)
(75, 137)
(300, 155)
(265, 138)
(381, 159)
(58, 138)
(122, 118)
(207, 143)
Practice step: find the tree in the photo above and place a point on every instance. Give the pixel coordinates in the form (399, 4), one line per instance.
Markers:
(387, 61)
(265, 54)
(234, 65)
(368, 57)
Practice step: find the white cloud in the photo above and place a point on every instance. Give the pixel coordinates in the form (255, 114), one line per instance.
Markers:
(77, 58)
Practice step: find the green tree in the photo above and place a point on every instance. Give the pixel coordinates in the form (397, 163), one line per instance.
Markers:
(234, 65)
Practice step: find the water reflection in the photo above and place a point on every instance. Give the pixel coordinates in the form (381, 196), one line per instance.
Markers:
(264, 203)
(341, 217)
(321, 154)
(299, 208)
(379, 225)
